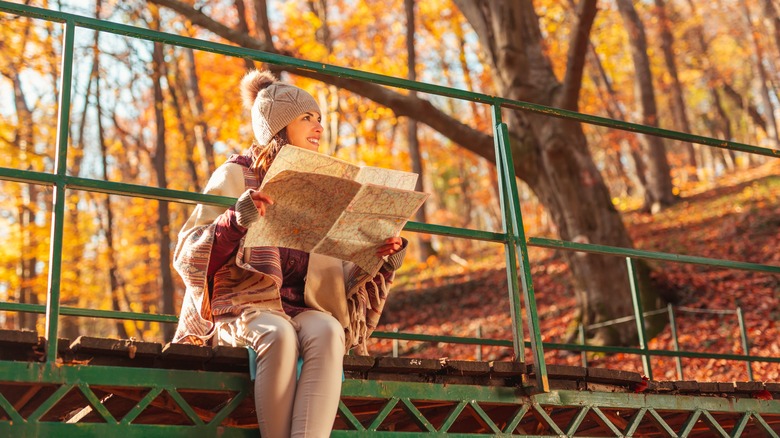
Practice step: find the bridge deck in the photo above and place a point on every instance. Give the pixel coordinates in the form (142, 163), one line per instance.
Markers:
(113, 381)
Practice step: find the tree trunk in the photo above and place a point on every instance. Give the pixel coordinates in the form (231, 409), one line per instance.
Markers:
(115, 282)
(423, 241)
(543, 147)
(195, 99)
(679, 110)
(758, 60)
(773, 19)
(553, 158)
(158, 159)
(715, 79)
(628, 147)
(243, 26)
(658, 176)
(28, 264)
(174, 87)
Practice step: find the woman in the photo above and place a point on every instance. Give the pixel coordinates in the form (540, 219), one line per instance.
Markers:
(281, 302)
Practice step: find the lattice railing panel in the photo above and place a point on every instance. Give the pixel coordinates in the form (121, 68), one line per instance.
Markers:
(99, 400)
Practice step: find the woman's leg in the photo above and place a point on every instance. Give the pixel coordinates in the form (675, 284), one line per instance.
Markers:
(319, 385)
(276, 343)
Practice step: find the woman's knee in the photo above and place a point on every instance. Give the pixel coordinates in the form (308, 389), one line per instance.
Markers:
(271, 330)
(321, 329)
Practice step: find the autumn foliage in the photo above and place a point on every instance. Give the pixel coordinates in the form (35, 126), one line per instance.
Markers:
(166, 116)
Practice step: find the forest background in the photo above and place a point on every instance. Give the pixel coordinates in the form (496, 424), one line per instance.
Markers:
(158, 115)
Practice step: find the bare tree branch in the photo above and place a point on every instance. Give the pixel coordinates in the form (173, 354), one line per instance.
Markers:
(403, 105)
(575, 59)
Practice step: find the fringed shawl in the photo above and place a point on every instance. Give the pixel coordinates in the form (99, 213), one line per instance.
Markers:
(366, 293)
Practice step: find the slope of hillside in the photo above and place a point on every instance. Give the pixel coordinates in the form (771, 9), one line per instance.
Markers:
(737, 220)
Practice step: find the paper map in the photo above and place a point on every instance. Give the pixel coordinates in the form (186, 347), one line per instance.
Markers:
(328, 206)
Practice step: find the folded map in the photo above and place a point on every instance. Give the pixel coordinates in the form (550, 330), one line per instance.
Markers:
(328, 206)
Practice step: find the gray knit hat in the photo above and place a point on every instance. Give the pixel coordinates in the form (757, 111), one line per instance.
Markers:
(273, 104)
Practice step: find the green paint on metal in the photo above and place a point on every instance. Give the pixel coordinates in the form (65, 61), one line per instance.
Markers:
(431, 338)
(745, 343)
(230, 407)
(98, 375)
(58, 213)
(9, 409)
(516, 235)
(185, 407)
(576, 421)
(443, 230)
(606, 420)
(543, 414)
(47, 429)
(77, 311)
(141, 405)
(715, 425)
(453, 415)
(349, 417)
(649, 255)
(662, 423)
(764, 424)
(739, 427)
(484, 416)
(429, 391)
(27, 176)
(419, 418)
(508, 227)
(50, 402)
(666, 353)
(639, 315)
(517, 418)
(675, 340)
(690, 422)
(582, 340)
(97, 405)
(641, 129)
(635, 421)
(382, 415)
(537, 349)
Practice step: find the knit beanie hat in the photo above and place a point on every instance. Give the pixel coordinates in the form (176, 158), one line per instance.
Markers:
(273, 104)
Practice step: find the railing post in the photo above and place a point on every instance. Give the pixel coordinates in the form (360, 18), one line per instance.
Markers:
(581, 334)
(639, 316)
(479, 346)
(395, 344)
(58, 210)
(513, 227)
(745, 343)
(675, 341)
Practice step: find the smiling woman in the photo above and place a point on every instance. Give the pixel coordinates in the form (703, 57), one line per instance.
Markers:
(260, 297)
(305, 131)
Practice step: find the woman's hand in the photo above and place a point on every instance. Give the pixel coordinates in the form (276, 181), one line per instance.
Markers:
(260, 201)
(390, 247)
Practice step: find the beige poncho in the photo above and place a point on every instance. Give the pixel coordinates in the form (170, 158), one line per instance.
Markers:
(354, 297)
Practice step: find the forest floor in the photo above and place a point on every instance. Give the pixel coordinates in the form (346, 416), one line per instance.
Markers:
(739, 219)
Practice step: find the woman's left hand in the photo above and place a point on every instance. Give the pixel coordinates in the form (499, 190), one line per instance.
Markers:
(390, 247)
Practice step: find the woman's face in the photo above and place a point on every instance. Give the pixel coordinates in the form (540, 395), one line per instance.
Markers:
(305, 131)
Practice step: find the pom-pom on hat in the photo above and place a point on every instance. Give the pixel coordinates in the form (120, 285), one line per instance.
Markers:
(273, 104)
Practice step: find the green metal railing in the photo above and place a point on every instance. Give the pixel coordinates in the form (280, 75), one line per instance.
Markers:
(512, 235)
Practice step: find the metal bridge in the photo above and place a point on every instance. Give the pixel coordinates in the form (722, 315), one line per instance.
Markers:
(99, 387)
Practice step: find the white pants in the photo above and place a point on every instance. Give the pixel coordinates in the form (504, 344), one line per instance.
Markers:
(286, 408)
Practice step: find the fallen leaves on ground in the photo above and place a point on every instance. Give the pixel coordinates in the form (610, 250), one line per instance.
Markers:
(738, 220)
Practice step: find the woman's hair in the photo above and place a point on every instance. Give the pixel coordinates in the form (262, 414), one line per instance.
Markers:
(264, 155)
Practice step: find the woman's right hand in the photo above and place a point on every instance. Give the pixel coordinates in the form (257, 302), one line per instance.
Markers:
(260, 201)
